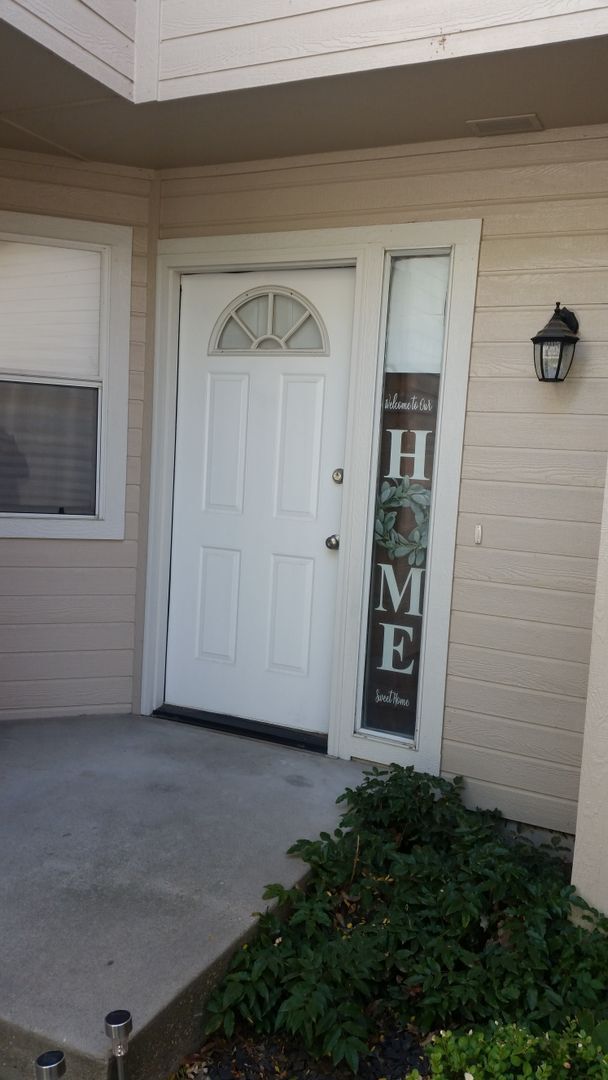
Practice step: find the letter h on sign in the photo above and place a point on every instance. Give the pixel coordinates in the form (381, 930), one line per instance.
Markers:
(397, 454)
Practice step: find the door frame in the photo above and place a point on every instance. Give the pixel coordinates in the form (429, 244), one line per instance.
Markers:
(368, 249)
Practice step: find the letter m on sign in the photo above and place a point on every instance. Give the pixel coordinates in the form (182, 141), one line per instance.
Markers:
(413, 586)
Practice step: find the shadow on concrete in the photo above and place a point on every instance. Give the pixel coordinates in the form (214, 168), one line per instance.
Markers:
(134, 851)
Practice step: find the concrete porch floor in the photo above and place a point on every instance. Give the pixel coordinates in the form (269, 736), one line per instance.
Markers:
(133, 851)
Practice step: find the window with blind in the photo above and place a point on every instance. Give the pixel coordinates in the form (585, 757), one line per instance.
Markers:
(64, 319)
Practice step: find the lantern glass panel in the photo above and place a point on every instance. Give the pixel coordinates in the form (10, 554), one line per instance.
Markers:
(552, 354)
(552, 360)
(567, 358)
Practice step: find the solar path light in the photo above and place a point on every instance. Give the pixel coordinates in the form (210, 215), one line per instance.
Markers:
(50, 1065)
(119, 1026)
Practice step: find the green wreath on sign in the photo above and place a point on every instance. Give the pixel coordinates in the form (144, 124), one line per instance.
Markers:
(392, 498)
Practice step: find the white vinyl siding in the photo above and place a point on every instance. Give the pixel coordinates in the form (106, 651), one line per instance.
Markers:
(148, 49)
(227, 44)
(534, 458)
(97, 36)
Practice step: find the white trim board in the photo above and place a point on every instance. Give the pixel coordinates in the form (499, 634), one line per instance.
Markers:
(366, 249)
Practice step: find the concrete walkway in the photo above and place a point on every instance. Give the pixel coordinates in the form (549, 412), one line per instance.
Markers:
(133, 852)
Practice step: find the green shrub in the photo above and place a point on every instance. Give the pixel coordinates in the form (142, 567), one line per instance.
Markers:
(513, 1053)
(420, 911)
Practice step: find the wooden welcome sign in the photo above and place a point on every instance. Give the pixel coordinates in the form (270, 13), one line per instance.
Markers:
(403, 499)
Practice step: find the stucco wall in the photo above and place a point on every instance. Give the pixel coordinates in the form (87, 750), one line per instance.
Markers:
(535, 456)
(68, 608)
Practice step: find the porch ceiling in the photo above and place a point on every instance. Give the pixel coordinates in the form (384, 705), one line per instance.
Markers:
(47, 106)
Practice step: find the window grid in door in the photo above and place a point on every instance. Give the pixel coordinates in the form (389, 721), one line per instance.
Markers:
(268, 320)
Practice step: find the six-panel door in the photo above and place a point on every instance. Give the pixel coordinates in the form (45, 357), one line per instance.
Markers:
(262, 393)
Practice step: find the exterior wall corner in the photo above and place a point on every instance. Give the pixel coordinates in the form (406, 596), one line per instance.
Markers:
(590, 871)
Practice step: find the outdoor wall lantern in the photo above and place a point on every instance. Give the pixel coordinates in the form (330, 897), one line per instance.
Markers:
(554, 345)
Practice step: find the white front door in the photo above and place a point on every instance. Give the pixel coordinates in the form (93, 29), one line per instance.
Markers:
(262, 394)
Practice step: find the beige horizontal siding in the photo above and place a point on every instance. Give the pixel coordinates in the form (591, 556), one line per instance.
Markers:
(511, 255)
(515, 702)
(514, 635)
(523, 601)
(532, 740)
(66, 665)
(483, 763)
(560, 502)
(65, 694)
(514, 288)
(540, 605)
(560, 572)
(132, 498)
(496, 325)
(507, 360)
(537, 431)
(53, 611)
(544, 811)
(578, 468)
(92, 637)
(588, 396)
(68, 608)
(51, 581)
(69, 553)
(530, 534)
(520, 185)
(535, 456)
(518, 669)
(47, 713)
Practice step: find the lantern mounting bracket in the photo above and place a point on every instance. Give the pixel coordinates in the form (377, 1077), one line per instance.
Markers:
(568, 317)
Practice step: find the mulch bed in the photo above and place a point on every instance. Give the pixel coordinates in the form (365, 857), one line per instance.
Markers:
(391, 1058)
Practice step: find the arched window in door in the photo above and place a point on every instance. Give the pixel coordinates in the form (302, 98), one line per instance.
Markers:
(268, 320)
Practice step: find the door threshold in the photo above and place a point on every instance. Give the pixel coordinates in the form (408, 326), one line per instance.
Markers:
(253, 729)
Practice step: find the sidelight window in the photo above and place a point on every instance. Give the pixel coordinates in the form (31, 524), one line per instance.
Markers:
(408, 430)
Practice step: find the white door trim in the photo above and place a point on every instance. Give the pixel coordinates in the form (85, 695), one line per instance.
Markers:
(365, 248)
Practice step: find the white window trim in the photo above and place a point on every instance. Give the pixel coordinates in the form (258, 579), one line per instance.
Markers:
(114, 243)
(366, 248)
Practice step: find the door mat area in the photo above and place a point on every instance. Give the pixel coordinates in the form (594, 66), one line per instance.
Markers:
(252, 729)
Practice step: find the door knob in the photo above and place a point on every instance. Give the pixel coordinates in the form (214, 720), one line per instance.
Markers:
(338, 476)
(332, 542)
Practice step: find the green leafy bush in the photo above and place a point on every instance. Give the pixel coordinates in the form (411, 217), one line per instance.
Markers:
(420, 911)
(513, 1053)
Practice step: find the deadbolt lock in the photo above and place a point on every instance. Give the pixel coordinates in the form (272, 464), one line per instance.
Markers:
(338, 476)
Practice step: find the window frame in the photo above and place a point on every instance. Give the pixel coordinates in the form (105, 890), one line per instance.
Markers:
(114, 244)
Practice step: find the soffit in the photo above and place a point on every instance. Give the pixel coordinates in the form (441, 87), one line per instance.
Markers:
(46, 105)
